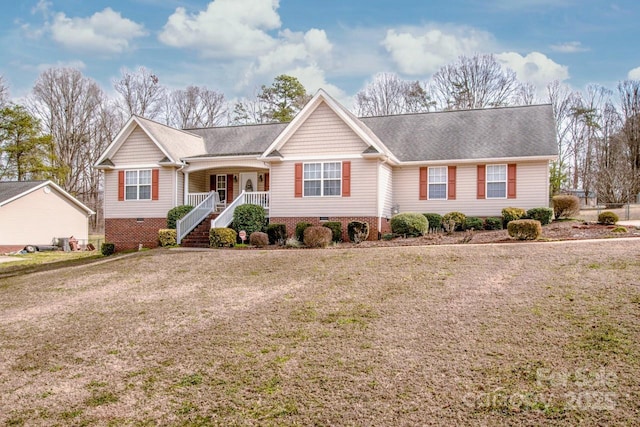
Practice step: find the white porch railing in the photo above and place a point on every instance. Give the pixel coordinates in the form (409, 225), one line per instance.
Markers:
(194, 199)
(255, 198)
(195, 217)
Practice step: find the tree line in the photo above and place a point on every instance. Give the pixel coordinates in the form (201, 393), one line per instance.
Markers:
(65, 123)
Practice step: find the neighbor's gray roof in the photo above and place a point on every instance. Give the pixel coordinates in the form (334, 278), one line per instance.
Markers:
(11, 189)
(469, 134)
(238, 140)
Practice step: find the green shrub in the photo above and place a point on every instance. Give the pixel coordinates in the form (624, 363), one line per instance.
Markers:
(434, 220)
(607, 218)
(358, 231)
(409, 224)
(277, 234)
(219, 237)
(259, 239)
(336, 230)
(620, 229)
(177, 213)
(388, 236)
(525, 229)
(453, 221)
(167, 237)
(300, 227)
(544, 215)
(108, 249)
(565, 206)
(249, 218)
(473, 223)
(493, 223)
(512, 214)
(317, 236)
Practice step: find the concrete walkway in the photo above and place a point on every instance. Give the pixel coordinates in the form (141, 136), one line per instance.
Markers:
(630, 223)
(4, 258)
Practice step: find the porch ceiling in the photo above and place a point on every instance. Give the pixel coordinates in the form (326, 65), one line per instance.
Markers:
(201, 165)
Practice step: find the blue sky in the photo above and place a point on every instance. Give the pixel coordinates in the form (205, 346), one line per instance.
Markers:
(234, 46)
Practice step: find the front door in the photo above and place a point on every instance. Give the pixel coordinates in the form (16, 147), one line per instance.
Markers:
(249, 181)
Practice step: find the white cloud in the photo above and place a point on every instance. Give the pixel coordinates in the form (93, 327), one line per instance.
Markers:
(569, 47)
(419, 51)
(534, 68)
(227, 28)
(103, 32)
(634, 74)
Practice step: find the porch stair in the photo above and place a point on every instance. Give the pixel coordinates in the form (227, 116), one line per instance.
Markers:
(199, 236)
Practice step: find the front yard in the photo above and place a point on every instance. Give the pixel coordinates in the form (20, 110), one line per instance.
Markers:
(527, 334)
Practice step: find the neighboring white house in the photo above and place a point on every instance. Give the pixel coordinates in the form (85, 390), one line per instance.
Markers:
(328, 165)
(37, 212)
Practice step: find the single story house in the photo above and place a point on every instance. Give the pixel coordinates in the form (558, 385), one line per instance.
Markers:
(38, 212)
(327, 165)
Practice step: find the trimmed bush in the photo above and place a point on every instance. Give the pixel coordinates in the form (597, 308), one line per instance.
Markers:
(219, 237)
(544, 215)
(607, 218)
(435, 220)
(473, 223)
(409, 224)
(457, 218)
(167, 237)
(300, 227)
(565, 206)
(336, 230)
(512, 214)
(108, 249)
(620, 229)
(277, 234)
(259, 239)
(249, 218)
(525, 229)
(358, 231)
(317, 236)
(493, 223)
(177, 213)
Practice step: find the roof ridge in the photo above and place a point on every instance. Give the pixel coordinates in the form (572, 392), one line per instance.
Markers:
(504, 107)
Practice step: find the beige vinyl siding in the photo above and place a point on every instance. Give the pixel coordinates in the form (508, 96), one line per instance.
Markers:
(323, 133)
(138, 149)
(38, 217)
(113, 208)
(363, 200)
(385, 188)
(199, 182)
(531, 190)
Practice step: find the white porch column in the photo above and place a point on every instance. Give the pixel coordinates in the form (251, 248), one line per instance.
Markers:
(185, 196)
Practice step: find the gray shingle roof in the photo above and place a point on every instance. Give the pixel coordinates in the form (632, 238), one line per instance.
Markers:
(469, 134)
(239, 140)
(10, 189)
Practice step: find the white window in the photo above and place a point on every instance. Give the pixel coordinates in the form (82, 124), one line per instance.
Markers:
(496, 181)
(438, 183)
(322, 179)
(138, 185)
(221, 187)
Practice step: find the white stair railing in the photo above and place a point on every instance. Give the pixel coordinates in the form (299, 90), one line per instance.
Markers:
(195, 216)
(260, 198)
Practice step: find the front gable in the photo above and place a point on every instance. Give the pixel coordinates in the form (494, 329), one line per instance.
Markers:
(137, 149)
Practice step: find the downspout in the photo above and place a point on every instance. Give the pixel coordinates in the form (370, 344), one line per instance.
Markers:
(175, 184)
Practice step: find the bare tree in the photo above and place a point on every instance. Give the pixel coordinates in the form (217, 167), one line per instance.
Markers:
(562, 98)
(140, 93)
(475, 82)
(74, 110)
(387, 94)
(629, 93)
(196, 107)
(4, 92)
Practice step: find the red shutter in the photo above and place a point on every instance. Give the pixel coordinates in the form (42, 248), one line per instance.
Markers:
(213, 183)
(155, 175)
(346, 179)
(266, 181)
(511, 181)
(423, 183)
(229, 188)
(451, 177)
(298, 180)
(481, 181)
(120, 186)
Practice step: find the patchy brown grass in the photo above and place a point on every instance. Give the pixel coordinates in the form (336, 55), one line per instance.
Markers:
(530, 334)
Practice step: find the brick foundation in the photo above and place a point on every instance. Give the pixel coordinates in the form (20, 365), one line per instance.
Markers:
(128, 233)
(290, 223)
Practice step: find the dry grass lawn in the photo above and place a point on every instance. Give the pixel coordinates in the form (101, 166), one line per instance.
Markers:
(528, 334)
